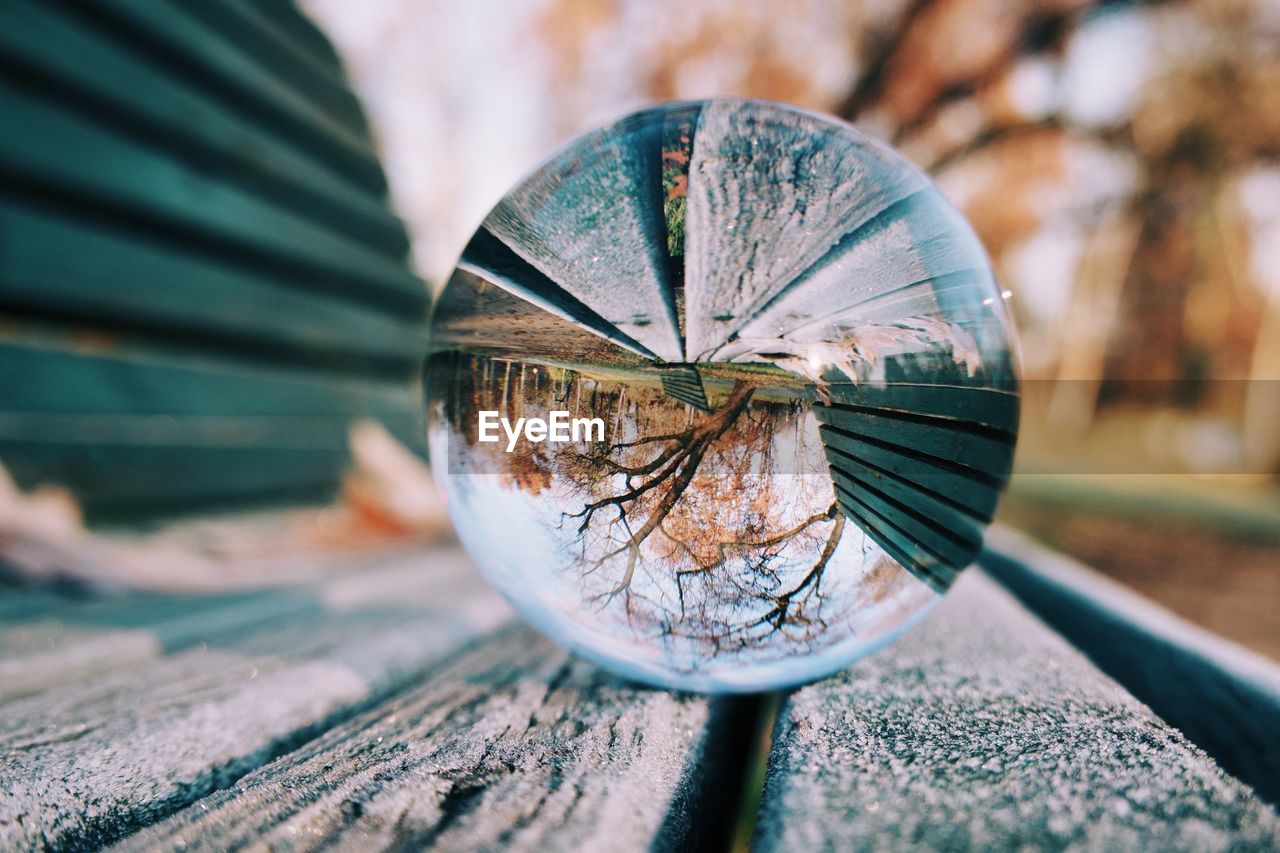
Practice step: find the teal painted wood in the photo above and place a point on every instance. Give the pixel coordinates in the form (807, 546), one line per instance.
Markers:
(131, 279)
(201, 282)
(222, 70)
(683, 383)
(100, 378)
(921, 472)
(952, 482)
(985, 406)
(305, 36)
(58, 48)
(144, 433)
(988, 455)
(62, 150)
(241, 23)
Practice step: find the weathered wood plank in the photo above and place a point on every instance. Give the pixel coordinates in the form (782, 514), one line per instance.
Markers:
(44, 648)
(70, 153)
(911, 248)
(476, 315)
(767, 199)
(1223, 697)
(492, 260)
(514, 745)
(598, 230)
(982, 729)
(58, 43)
(83, 269)
(89, 762)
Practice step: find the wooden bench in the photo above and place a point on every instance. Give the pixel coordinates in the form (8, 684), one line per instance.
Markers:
(201, 287)
(402, 705)
(201, 281)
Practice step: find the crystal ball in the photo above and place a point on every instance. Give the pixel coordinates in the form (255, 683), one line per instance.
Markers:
(722, 395)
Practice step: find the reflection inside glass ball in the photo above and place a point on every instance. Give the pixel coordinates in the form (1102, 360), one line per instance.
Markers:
(722, 396)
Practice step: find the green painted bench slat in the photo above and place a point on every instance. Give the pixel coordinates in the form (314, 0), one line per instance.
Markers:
(241, 23)
(201, 282)
(147, 102)
(124, 279)
(172, 34)
(64, 151)
(299, 29)
(127, 431)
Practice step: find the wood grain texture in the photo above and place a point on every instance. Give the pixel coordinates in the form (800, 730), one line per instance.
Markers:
(593, 224)
(513, 745)
(476, 315)
(768, 197)
(898, 253)
(90, 761)
(44, 648)
(982, 729)
(487, 257)
(1224, 697)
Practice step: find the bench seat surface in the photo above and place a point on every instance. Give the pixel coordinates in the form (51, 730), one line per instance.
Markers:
(403, 705)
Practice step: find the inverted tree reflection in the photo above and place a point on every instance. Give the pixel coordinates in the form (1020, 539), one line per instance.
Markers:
(714, 532)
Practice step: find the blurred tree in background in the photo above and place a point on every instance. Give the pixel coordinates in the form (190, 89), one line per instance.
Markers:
(1121, 162)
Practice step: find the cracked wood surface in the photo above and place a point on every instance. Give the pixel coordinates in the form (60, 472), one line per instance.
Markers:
(126, 733)
(514, 744)
(984, 729)
(400, 707)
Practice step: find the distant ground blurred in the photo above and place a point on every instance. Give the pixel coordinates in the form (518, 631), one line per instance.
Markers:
(1207, 551)
(1120, 161)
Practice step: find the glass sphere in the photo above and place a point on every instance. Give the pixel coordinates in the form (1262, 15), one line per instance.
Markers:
(722, 395)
